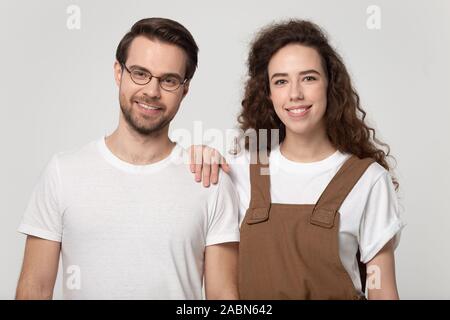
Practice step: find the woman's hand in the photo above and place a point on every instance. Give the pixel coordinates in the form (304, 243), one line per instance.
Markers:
(205, 163)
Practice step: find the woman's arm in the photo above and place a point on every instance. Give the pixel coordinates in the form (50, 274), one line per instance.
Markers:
(221, 275)
(381, 281)
(205, 163)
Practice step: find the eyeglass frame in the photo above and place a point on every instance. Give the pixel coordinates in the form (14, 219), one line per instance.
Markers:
(151, 77)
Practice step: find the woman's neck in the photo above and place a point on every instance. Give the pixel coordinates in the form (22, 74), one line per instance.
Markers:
(307, 148)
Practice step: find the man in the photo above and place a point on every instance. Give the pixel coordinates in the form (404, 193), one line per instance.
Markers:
(123, 211)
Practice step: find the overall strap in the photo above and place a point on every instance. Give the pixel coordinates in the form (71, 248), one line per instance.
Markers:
(337, 190)
(334, 195)
(260, 191)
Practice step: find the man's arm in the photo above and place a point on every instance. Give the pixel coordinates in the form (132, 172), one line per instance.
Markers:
(221, 271)
(383, 265)
(39, 269)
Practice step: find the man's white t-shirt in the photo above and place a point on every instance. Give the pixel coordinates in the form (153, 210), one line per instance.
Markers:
(370, 215)
(130, 231)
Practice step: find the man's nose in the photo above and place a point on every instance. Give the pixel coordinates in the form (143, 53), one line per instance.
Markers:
(152, 89)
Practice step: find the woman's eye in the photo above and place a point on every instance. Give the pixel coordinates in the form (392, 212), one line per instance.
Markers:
(309, 78)
(280, 82)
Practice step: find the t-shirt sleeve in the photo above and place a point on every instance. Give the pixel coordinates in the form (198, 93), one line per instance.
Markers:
(223, 219)
(240, 176)
(43, 215)
(381, 220)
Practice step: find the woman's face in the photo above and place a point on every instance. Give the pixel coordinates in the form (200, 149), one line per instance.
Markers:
(298, 89)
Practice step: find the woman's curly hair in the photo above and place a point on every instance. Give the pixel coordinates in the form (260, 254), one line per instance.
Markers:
(344, 116)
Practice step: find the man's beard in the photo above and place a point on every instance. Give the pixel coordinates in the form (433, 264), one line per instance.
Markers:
(142, 124)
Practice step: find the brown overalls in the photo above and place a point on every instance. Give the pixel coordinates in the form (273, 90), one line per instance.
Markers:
(291, 251)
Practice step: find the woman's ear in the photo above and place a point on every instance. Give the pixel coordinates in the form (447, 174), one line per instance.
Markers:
(268, 93)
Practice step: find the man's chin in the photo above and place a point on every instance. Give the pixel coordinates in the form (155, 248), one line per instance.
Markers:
(147, 129)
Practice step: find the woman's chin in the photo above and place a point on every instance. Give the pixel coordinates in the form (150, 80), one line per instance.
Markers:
(297, 128)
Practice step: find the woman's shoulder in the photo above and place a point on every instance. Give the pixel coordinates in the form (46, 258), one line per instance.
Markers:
(376, 174)
(375, 171)
(239, 165)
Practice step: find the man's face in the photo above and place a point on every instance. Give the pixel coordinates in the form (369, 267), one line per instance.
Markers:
(148, 109)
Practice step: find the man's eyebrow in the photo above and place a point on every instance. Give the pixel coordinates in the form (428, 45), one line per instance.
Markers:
(300, 73)
(135, 66)
(173, 74)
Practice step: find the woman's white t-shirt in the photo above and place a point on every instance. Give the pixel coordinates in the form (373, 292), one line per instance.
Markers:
(370, 215)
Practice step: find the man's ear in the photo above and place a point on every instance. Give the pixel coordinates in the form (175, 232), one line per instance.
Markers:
(186, 88)
(117, 72)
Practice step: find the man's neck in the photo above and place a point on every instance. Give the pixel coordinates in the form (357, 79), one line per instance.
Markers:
(311, 148)
(135, 148)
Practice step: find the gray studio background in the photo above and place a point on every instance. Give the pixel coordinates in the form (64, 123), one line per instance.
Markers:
(57, 92)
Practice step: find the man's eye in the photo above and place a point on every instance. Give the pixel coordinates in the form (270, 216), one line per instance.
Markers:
(171, 80)
(139, 74)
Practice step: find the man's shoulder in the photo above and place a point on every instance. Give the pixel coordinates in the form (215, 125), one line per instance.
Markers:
(78, 156)
(181, 168)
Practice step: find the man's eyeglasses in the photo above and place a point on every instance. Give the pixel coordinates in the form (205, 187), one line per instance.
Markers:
(167, 82)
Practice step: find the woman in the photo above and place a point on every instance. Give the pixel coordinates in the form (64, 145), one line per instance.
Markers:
(326, 214)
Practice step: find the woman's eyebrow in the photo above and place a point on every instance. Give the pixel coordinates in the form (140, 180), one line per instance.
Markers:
(281, 74)
(309, 71)
(278, 75)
